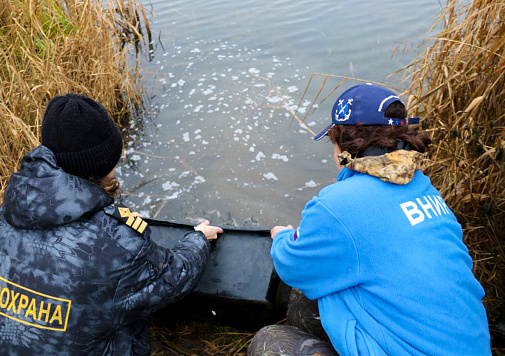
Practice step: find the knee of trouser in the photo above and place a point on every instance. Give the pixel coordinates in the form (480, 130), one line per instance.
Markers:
(285, 340)
(267, 339)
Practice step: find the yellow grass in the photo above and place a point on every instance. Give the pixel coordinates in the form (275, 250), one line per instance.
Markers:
(458, 86)
(52, 47)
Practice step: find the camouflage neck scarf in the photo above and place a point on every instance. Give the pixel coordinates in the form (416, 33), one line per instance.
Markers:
(396, 167)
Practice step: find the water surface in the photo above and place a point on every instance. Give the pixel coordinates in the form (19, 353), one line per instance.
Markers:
(223, 78)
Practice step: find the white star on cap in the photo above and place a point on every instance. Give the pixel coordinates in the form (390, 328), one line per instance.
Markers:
(390, 122)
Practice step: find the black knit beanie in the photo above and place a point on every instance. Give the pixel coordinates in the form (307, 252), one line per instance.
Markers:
(82, 136)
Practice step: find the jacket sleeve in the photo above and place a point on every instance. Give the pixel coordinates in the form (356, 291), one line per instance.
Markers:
(159, 276)
(320, 257)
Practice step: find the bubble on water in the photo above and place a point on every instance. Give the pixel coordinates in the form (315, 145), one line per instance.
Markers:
(274, 99)
(260, 156)
(281, 157)
(253, 70)
(199, 179)
(135, 158)
(168, 185)
(173, 196)
(270, 176)
(185, 136)
(195, 50)
(310, 184)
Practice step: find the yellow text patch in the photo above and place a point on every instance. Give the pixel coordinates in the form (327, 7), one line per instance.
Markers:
(30, 307)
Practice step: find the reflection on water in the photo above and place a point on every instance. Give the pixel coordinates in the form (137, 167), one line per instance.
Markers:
(224, 78)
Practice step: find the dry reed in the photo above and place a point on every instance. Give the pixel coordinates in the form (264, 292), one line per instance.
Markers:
(192, 338)
(458, 85)
(52, 47)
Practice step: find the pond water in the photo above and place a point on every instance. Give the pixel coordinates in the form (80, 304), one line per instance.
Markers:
(223, 77)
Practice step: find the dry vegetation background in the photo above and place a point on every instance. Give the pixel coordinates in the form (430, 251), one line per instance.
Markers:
(458, 86)
(52, 47)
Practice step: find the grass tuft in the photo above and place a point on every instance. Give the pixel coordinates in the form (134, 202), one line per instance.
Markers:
(458, 86)
(53, 47)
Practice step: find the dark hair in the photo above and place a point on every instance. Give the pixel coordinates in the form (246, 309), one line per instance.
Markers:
(356, 139)
(110, 185)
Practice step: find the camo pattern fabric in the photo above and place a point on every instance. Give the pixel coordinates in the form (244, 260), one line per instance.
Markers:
(396, 167)
(74, 280)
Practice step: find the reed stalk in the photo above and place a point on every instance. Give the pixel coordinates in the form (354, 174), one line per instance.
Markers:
(458, 86)
(52, 47)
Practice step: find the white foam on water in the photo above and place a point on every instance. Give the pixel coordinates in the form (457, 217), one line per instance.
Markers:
(310, 184)
(281, 157)
(259, 156)
(270, 176)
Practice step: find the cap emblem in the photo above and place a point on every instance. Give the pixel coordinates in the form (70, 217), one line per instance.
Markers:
(343, 111)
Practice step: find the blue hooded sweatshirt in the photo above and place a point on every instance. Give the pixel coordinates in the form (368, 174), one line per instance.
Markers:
(388, 267)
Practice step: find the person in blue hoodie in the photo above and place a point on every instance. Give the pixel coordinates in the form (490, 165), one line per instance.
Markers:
(79, 274)
(379, 250)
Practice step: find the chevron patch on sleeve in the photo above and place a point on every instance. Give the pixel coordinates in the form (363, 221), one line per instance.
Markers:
(129, 218)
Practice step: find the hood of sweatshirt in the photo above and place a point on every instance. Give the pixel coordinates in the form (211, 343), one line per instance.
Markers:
(41, 195)
(396, 167)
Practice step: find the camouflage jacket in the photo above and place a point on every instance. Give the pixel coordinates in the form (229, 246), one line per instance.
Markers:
(75, 280)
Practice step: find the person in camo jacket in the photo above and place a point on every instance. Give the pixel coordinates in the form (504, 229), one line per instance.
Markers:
(78, 274)
(378, 254)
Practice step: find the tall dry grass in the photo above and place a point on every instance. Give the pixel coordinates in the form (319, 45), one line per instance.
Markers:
(51, 47)
(458, 86)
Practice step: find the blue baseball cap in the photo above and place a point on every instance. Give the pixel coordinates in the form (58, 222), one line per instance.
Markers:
(365, 104)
